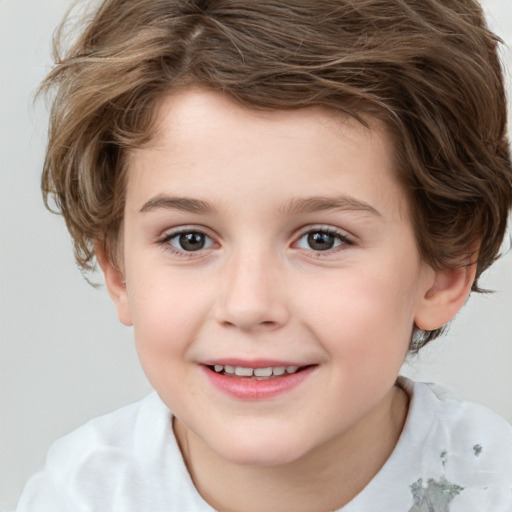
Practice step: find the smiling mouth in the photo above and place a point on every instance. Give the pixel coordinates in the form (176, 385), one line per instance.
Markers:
(268, 373)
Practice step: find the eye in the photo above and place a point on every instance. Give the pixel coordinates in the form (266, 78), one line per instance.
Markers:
(322, 240)
(188, 241)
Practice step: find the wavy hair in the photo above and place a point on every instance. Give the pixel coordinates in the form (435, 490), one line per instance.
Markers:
(428, 68)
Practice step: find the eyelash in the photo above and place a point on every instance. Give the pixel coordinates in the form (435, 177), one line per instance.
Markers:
(166, 239)
(339, 236)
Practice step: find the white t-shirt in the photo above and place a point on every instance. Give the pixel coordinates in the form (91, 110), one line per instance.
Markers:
(452, 456)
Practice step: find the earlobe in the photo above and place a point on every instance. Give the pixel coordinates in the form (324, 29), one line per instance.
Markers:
(114, 280)
(444, 298)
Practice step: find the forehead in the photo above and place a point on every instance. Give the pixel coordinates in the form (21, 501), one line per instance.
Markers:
(190, 115)
(203, 138)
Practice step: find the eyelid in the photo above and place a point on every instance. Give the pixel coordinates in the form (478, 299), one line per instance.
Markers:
(346, 238)
(327, 228)
(171, 233)
(185, 228)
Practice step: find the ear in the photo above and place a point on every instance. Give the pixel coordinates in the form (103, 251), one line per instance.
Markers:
(114, 280)
(446, 294)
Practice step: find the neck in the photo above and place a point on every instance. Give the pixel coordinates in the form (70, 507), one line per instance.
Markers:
(340, 468)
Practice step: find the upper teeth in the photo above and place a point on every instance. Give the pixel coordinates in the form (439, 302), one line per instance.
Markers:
(257, 372)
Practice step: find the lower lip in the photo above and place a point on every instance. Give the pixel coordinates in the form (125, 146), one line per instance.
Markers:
(252, 389)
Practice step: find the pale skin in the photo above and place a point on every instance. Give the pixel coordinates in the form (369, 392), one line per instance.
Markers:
(255, 190)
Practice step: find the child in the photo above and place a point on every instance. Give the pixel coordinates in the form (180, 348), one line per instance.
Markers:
(285, 198)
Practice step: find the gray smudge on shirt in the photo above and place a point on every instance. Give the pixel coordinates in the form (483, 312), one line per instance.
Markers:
(435, 497)
(477, 449)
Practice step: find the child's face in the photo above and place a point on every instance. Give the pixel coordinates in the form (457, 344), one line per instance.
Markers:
(268, 239)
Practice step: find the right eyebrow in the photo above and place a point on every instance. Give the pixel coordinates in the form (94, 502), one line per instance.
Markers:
(322, 203)
(184, 204)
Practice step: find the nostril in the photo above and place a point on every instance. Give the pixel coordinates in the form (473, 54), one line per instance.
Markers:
(247, 326)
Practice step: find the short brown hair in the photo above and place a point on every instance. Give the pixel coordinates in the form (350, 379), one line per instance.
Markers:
(428, 68)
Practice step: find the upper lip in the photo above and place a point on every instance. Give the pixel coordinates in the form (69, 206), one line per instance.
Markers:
(252, 363)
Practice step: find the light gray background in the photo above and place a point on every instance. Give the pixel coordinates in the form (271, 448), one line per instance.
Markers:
(64, 358)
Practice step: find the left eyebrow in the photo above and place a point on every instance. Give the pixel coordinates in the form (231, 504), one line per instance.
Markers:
(322, 203)
(184, 204)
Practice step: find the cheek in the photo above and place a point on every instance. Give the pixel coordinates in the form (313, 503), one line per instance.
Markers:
(364, 313)
(167, 315)
(166, 308)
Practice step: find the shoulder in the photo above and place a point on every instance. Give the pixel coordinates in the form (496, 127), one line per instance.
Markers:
(115, 432)
(452, 455)
(466, 447)
(458, 420)
(127, 460)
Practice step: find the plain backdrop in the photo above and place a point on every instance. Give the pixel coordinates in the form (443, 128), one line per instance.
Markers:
(64, 358)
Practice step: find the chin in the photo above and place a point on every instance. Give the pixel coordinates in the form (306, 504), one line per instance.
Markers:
(263, 451)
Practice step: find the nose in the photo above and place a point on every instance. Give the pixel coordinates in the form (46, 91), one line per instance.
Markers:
(253, 296)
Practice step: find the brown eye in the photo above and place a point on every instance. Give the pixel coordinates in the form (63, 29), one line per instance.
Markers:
(321, 240)
(190, 241)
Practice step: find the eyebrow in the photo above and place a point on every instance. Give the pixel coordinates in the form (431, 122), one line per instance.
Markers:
(184, 204)
(322, 203)
(295, 206)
